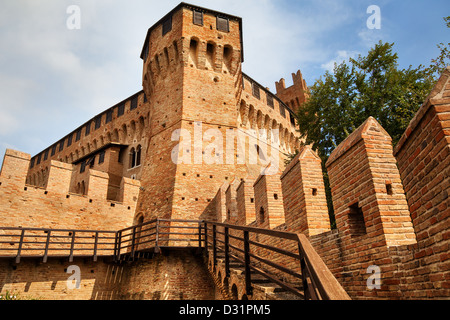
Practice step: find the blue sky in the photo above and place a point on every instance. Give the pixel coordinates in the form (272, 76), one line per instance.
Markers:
(53, 79)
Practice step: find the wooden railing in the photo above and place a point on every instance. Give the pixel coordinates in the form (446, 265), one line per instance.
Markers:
(36, 242)
(285, 258)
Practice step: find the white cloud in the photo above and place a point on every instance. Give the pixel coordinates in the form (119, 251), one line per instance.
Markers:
(342, 55)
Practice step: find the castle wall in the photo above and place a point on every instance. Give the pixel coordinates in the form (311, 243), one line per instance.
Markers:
(305, 203)
(175, 276)
(55, 207)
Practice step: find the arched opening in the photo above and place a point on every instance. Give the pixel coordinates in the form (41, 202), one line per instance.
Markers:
(210, 55)
(83, 188)
(262, 215)
(193, 52)
(138, 155)
(227, 57)
(234, 292)
(132, 161)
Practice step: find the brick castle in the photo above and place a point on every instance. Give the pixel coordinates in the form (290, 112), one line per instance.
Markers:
(197, 143)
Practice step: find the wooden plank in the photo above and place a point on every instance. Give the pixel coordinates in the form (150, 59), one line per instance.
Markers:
(248, 277)
(327, 285)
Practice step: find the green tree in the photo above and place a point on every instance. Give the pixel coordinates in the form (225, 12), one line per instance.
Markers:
(443, 60)
(371, 85)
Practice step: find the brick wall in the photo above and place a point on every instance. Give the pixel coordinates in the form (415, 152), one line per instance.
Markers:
(304, 197)
(173, 276)
(423, 155)
(55, 207)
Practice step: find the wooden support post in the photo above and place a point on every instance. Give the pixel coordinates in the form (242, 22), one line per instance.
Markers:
(248, 279)
(95, 246)
(214, 235)
(72, 245)
(19, 250)
(227, 252)
(47, 244)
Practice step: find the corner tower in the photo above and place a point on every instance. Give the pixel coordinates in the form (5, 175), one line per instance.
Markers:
(192, 80)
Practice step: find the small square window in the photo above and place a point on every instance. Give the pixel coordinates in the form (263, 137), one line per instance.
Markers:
(223, 24)
(198, 18)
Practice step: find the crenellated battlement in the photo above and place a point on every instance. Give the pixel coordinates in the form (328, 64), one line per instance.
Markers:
(55, 205)
(392, 217)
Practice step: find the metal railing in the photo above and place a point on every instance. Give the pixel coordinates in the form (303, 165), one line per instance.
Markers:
(284, 258)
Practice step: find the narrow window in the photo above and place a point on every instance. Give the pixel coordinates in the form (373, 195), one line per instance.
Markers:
(78, 136)
(292, 118)
(132, 158)
(270, 101)
(32, 163)
(134, 103)
(69, 140)
(109, 114)
(53, 150)
(83, 167)
(356, 221)
(88, 129)
(167, 26)
(101, 157)
(120, 110)
(146, 51)
(255, 91)
(389, 190)
(282, 111)
(46, 155)
(138, 155)
(98, 122)
(223, 24)
(198, 18)
(39, 159)
(61, 145)
(314, 191)
(261, 215)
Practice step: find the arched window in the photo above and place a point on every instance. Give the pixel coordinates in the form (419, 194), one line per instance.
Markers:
(135, 157)
(132, 158)
(138, 155)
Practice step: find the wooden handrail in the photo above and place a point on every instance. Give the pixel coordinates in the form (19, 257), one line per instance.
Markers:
(317, 280)
(327, 285)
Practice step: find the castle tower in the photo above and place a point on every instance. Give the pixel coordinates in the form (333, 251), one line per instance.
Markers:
(295, 95)
(191, 78)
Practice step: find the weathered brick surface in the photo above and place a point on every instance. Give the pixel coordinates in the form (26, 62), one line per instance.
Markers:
(305, 203)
